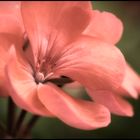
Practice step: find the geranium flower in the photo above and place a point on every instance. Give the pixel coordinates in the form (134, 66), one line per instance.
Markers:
(58, 49)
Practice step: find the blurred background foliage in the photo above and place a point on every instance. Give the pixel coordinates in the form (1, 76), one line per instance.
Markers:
(121, 127)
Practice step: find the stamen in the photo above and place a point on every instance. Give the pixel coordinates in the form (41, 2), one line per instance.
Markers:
(48, 75)
(39, 77)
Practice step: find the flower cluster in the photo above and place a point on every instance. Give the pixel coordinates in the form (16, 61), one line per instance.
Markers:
(47, 45)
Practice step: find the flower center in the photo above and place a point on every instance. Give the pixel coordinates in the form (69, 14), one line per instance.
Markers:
(43, 70)
(39, 77)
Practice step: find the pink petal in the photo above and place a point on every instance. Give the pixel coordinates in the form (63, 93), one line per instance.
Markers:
(22, 86)
(6, 40)
(127, 89)
(93, 63)
(74, 85)
(105, 26)
(131, 83)
(74, 112)
(133, 77)
(114, 103)
(9, 25)
(10, 8)
(10, 17)
(57, 22)
(3, 59)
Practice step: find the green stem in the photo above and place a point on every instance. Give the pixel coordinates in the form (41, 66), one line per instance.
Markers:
(10, 116)
(29, 126)
(19, 122)
(2, 130)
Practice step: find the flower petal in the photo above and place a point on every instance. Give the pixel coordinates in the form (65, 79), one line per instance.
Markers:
(74, 112)
(74, 85)
(6, 40)
(133, 77)
(10, 17)
(22, 86)
(131, 83)
(114, 103)
(12, 28)
(93, 63)
(10, 8)
(59, 25)
(105, 26)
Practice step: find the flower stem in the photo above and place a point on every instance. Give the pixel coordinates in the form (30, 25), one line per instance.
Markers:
(19, 122)
(2, 127)
(2, 130)
(10, 115)
(29, 126)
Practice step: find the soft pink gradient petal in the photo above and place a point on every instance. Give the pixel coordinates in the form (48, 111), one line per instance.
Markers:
(10, 17)
(105, 26)
(74, 85)
(127, 89)
(11, 22)
(4, 46)
(133, 77)
(8, 24)
(22, 86)
(93, 63)
(6, 41)
(114, 103)
(10, 8)
(74, 112)
(131, 83)
(57, 22)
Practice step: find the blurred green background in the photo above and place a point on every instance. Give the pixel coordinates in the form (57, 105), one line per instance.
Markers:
(121, 127)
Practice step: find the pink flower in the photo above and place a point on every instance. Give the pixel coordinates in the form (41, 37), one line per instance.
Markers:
(65, 42)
